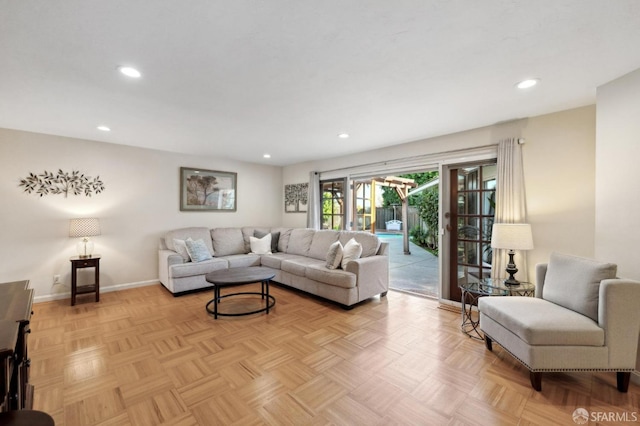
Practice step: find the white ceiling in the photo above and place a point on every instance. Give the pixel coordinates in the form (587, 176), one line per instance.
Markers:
(239, 78)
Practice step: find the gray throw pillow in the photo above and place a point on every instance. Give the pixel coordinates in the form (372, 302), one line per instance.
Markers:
(275, 236)
(334, 255)
(181, 248)
(574, 282)
(197, 250)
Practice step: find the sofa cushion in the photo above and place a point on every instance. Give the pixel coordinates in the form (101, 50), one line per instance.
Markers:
(351, 251)
(261, 245)
(321, 242)
(540, 322)
(195, 233)
(297, 265)
(243, 260)
(334, 256)
(370, 242)
(300, 241)
(275, 237)
(197, 250)
(191, 269)
(274, 261)
(336, 277)
(227, 241)
(574, 282)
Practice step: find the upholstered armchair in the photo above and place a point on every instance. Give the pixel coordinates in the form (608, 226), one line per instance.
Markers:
(582, 318)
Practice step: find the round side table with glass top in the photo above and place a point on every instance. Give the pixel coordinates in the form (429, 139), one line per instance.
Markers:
(523, 289)
(472, 291)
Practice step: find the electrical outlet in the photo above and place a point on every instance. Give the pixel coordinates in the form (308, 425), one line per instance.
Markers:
(56, 279)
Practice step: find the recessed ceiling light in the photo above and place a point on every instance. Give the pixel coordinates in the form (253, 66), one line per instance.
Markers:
(525, 84)
(343, 135)
(129, 72)
(266, 155)
(104, 128)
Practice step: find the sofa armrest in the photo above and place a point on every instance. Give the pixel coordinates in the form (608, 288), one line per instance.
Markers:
(541, 273)
(619, 315)
(372, 275)
(166, 258)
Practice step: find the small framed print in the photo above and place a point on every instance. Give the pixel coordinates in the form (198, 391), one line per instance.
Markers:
(207, 190)
(296, 197)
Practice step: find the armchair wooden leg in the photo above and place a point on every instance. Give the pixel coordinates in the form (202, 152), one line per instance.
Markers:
(536, 380)
(488, 342)
(623, 381)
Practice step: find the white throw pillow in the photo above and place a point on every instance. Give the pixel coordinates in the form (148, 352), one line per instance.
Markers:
(351, 251)
(197, 250)
(334, 255)
(181, 248)
(261, 245)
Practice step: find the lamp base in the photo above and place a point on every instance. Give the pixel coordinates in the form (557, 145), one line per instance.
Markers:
(511, 270)
(84, 248)
(511, 282)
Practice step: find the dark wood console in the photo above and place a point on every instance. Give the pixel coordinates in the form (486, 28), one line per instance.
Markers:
(15, 314)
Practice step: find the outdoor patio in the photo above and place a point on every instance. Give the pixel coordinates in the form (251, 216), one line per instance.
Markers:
(416, 273)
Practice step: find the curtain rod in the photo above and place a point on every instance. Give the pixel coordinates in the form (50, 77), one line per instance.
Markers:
(404, 159)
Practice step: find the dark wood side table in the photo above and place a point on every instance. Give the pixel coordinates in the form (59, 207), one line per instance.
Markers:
(15, 306)
(85, 262)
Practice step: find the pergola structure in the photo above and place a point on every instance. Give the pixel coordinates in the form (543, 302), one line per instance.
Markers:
(402, 187)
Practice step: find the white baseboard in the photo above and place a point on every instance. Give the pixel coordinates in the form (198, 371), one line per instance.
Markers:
(117, 287)
(635, 377)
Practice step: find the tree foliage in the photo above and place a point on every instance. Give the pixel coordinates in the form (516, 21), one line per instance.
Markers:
(428, 205)
(200, 188)
(390, 196)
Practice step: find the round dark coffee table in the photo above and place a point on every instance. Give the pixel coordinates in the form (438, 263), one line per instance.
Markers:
(239, 276)
(26, 418)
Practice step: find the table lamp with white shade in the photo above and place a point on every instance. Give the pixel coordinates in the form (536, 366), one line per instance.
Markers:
(84, 228)
(511, 236)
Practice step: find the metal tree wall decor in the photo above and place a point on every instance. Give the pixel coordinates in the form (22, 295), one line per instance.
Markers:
(65, 183)
(296, 197)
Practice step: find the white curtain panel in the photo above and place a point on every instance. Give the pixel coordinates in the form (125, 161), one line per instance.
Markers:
(313, 209)
(510, 204)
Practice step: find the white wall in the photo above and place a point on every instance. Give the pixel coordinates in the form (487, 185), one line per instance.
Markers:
(617, 234)
(559, 167)
(140, 203)
(617, 194)
(559, 160)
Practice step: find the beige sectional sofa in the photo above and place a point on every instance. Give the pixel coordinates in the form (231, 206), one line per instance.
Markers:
(299, 262)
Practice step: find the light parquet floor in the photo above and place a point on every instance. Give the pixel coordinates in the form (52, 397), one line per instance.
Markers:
(143, 357)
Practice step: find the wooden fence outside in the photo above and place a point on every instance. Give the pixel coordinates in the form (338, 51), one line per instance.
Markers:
(385, 214)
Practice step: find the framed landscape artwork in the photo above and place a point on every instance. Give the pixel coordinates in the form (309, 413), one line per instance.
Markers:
(296, 197)
(207, 190)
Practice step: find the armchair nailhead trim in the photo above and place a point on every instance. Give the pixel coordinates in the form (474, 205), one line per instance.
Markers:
(549, 370)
